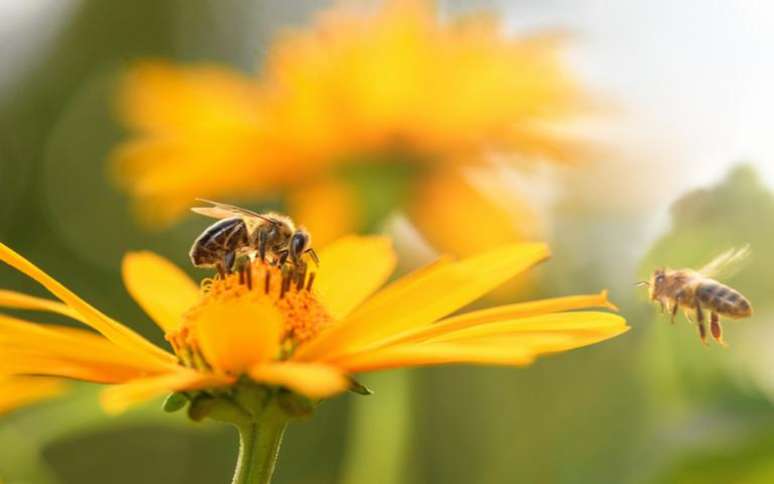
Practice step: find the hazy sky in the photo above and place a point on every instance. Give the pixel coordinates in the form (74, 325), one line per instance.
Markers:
(698, 75)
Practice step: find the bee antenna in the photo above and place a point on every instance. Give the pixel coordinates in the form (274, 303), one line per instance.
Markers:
(642, 283)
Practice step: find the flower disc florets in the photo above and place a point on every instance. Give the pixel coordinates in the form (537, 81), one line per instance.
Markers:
(277, 303)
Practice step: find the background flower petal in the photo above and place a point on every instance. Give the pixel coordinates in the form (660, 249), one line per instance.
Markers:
(327, 208)
(457, 218)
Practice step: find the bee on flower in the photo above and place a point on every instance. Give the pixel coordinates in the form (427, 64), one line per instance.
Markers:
(241, 232)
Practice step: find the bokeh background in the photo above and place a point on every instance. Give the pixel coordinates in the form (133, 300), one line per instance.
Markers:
(686, 90)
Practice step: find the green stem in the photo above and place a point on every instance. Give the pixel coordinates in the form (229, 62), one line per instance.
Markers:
(259, 444)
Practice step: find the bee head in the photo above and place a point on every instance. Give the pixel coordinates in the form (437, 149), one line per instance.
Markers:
(300, 242)
(656, 283)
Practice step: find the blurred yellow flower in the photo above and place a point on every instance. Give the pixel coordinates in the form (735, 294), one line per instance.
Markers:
(390, 86)
(307, 337)
(18, 391)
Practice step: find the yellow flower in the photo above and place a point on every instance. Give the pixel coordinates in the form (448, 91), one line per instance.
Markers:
(17, 391)
(393, 86)
(306, 335)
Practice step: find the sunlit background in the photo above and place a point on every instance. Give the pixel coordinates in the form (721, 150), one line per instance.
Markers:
(680, 169)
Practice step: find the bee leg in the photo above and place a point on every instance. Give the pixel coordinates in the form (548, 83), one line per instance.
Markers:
(221, 270)
(313, 255)
(248, 268)
(263, 240)
(675, 305)
(301, 275)
(228, 261)
(287, 276)
(661, 304)
(703, 333)
(282, 257)
(245, 273)
(310, 282)
(700, 323)
(716, 329)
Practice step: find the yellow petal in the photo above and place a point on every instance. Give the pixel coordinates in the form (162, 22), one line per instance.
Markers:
(118, 398)
(203, 119)
(507, 343)
(20, 391)
(351, 269)
(17, 300)
(161, 288)
(310, 379)
(159, 97)
(457, 217)
(25, 362)
(430, 295)
(587, 323)
(114, 331)
(501, 313)
(426, 354)
(30, 348)
(541, 343)
(235, 335)
(504, 349)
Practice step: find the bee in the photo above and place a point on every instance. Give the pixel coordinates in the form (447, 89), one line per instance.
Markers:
(698, 293)
(240, 232)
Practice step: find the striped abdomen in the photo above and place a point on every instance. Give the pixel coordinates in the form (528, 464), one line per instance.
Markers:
(220, 239)
(723, 300)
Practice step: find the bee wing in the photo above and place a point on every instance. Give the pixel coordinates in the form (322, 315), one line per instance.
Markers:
(727, 264)
(223, 210)
(213, 212)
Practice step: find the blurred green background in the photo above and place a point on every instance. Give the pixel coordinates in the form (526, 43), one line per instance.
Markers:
(653, 406)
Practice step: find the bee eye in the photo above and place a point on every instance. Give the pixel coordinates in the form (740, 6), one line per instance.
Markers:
(298, 243)
(660, 278)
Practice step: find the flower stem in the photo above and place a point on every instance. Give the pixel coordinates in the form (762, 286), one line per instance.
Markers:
(259, 443)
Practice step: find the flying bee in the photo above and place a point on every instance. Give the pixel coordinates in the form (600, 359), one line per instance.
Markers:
(240, 232)
(698, 293)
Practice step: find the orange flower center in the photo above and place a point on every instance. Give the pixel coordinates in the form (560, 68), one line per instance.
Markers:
(256, 296)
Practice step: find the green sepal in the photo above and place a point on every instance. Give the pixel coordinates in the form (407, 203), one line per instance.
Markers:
(200, 407)
(357, 387)
(251, 397)
(174, 402)
(295, 405)
(218, 408)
